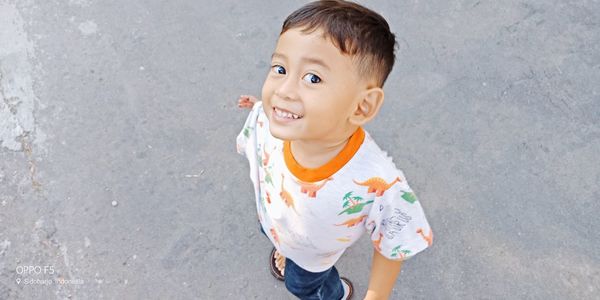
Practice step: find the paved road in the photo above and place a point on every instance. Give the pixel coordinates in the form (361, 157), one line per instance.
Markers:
(119, 177)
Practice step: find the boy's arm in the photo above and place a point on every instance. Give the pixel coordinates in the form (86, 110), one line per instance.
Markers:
(246, 101)
(383, 276)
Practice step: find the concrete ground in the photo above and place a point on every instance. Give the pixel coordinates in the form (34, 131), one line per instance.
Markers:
(119, 177)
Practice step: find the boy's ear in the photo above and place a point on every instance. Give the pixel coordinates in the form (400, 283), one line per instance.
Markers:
(368, 107)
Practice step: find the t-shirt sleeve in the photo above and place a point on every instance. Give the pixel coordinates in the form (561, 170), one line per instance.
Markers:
(397, 223)
(245, 138)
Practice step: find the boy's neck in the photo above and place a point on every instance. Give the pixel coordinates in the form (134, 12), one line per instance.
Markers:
(313, 153)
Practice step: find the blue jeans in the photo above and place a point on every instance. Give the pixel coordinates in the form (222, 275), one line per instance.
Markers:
(307, 285)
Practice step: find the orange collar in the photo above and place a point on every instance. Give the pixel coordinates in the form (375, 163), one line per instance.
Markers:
(329, 168)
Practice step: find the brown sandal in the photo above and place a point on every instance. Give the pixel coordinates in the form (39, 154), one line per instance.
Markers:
(350, 287)
(273, 266)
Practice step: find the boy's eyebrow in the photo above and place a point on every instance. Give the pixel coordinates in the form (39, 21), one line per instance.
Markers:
(311, 60)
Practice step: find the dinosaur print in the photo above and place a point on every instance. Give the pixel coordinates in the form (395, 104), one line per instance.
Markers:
(286, 196)
(312, 188)
(265, 160)
(268, 197)
(327, 257)
(428, 238)
(377, 185)
(294, 239)
(353, 204)
(275, 236)
(377, 243)
(353, 222)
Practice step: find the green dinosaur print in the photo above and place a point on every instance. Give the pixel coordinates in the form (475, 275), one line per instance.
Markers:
(410, 197)
(353, 204)
(397, 250)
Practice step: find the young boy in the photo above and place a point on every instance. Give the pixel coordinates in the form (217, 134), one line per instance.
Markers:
(320, 180)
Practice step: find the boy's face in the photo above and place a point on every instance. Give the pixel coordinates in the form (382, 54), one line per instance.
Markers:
(314, 81)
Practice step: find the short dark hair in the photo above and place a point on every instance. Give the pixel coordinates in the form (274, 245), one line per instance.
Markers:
(354, 29)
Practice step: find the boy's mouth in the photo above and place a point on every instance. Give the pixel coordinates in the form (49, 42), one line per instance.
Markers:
(284, 114)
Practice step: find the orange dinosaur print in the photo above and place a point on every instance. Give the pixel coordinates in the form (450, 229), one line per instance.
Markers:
(265, 160)
(353, 222)
(428, 238)
(275, 236)
(377, 243)
(286, 196)
(268, 197)
(377, 185)
(312, 188)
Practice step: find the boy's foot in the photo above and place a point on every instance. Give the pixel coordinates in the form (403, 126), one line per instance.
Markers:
(348, 288)
(277, 264)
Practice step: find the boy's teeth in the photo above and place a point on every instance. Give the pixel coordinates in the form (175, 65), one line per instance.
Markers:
(284, 114)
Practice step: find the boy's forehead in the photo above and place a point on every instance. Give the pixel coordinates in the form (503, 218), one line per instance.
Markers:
(313, 44)
(299, 36)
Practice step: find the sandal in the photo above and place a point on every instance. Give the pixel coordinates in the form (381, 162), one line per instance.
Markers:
(347, 282)
(273, 266)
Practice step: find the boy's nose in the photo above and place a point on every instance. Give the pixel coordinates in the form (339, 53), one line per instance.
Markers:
(287, 89)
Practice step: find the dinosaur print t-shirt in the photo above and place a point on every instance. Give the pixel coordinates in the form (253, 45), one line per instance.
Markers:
(313, 215)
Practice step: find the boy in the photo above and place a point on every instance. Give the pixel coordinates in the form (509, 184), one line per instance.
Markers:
(320, 180)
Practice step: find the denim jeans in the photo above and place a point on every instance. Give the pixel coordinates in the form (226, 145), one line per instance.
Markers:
(307, 285)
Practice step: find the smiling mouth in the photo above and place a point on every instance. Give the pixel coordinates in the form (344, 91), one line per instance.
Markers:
(286, 114)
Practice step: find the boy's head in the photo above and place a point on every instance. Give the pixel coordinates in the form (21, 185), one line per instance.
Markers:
(355, 30)
(328, 69)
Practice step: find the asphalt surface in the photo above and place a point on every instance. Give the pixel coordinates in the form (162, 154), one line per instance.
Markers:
(119, 177)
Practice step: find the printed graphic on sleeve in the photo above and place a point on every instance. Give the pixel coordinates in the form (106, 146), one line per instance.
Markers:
(394, 224)
(377, 185)
(397, 252)
(428, 238)
(409, 197)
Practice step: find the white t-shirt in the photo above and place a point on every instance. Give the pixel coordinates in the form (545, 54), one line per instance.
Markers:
(312, 215)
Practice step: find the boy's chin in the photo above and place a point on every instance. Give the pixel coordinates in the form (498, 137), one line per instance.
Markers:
(282, 134)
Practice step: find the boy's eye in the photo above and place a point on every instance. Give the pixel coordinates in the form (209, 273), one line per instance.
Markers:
(278, 69)
(311, 78)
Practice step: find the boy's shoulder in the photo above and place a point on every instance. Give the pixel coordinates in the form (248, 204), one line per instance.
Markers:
(372, 162)
(373, 155)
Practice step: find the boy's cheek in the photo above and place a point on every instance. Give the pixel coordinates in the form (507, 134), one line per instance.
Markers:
(267, 92)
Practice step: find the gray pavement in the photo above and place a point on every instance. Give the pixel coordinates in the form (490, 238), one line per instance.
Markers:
(119, 177)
